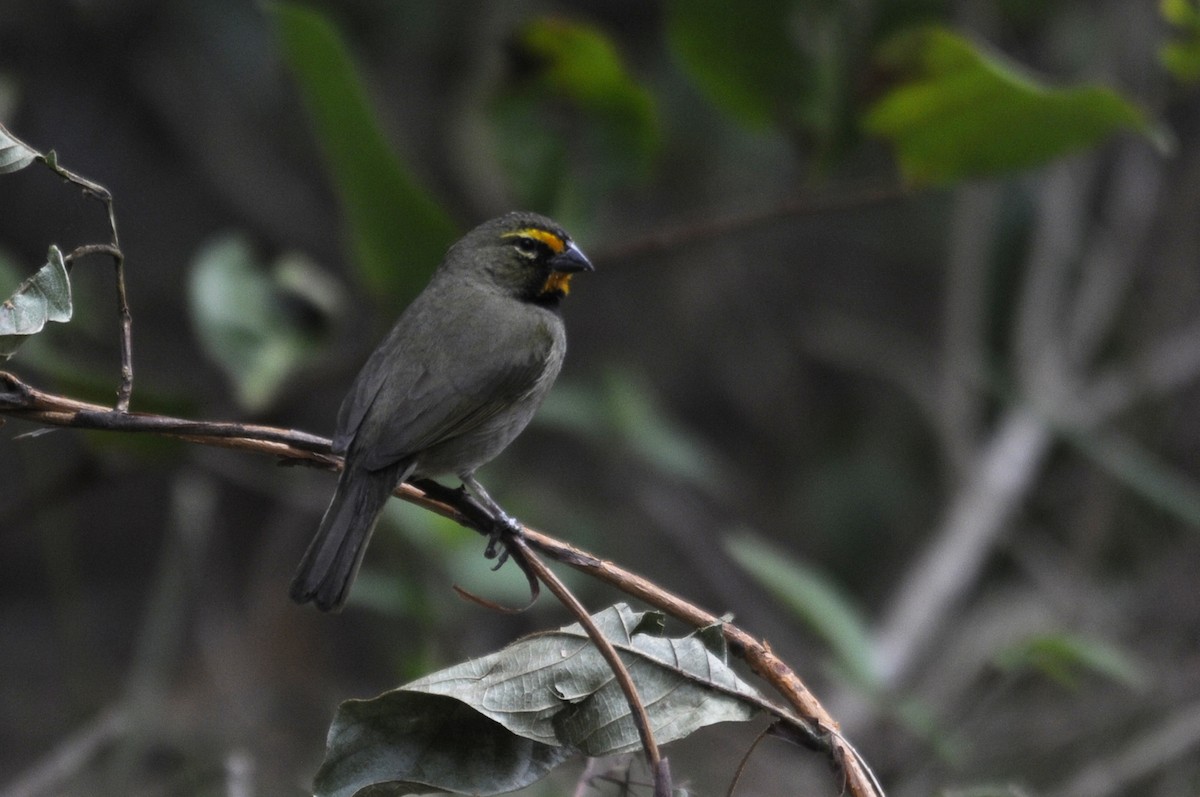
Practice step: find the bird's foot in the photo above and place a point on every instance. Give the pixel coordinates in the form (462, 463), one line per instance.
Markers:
(504, 527)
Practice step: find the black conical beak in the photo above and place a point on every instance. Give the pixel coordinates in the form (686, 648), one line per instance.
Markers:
(571, 260)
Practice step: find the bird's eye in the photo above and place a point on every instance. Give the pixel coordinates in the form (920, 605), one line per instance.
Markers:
(527, 246)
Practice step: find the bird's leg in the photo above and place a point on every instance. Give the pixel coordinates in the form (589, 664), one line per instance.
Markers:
(502, 522)
(460, 499)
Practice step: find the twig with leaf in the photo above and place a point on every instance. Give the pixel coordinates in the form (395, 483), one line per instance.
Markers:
(46, 296)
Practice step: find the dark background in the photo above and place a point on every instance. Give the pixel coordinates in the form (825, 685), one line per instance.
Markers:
(970, 411)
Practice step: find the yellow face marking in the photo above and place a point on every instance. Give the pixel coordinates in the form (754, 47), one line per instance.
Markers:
(557, 282)
(551, 240)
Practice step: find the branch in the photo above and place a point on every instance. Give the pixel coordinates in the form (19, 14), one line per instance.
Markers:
(52, 773)
(23, 401)
(666, 238)
(935, 583)
(961, 408)
(1177, 737)
(860, 782)
(19, 400)
(113, 250)
(658, 764)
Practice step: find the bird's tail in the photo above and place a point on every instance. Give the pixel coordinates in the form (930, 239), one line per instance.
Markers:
(332, 559)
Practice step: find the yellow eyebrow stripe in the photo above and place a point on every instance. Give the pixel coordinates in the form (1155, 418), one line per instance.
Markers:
(551, 240)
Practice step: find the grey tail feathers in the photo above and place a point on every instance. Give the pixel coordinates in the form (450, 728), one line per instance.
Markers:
(332, 559)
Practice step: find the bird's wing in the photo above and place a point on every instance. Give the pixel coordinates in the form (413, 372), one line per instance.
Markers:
(439, 383)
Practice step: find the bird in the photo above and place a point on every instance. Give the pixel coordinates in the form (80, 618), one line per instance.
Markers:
(458, 377)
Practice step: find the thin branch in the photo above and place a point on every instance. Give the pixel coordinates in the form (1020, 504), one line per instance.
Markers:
(125, 389)
(113, 250)
(1129, 210)
(741, 767)
(758, 655)
(50, 774)
(959, 412)
(1178, 737)
(1166, 365)
(667, 238)
(1039, 350)
(658, 765)
(20, 400)
(935, 583)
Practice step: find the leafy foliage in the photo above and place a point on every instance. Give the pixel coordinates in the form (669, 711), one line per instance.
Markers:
(785, 67)
(574, 124)
(959, 112)
(1181, 56)
(815, 600)
(246, 315)
(1065, 657)
(622, 411)
(399, 232)
(1143, 473)
(746, 63)
(502, 721)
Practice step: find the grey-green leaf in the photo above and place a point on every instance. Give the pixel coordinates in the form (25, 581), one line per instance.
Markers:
(527, 708)
(46, 296)
(816, 600)
(399, 232)
(748, 63)
(14, 153)
(625, 414)
(412, 743)
(1064, 657)
(241, 311)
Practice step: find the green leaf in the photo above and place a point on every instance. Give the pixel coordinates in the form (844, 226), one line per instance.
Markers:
(46, 296)
(1143, 472)
(1182, 59)
(245, 316)
(502, 721)
(813, 598)
(581, 63)
(960, 112)
(14, 153)
(1181, 56)
(567, 162)
(1181, 13)
(746, 62)
(643, 424)
(624, 412)
(399, 233)
(1063, 657)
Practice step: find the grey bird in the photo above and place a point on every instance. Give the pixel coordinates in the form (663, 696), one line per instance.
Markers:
(459, 376)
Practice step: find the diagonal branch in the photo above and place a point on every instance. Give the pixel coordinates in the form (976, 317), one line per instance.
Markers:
(658, 764)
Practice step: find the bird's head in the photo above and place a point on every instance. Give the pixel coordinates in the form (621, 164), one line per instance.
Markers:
(525, 255)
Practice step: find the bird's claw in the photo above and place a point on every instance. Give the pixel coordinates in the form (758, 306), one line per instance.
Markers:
(503, 526)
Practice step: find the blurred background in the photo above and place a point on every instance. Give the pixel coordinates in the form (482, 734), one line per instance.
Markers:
(891, 352)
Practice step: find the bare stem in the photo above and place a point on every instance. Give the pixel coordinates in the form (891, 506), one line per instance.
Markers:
(662, 776)
(113, 250)
(668, 238)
